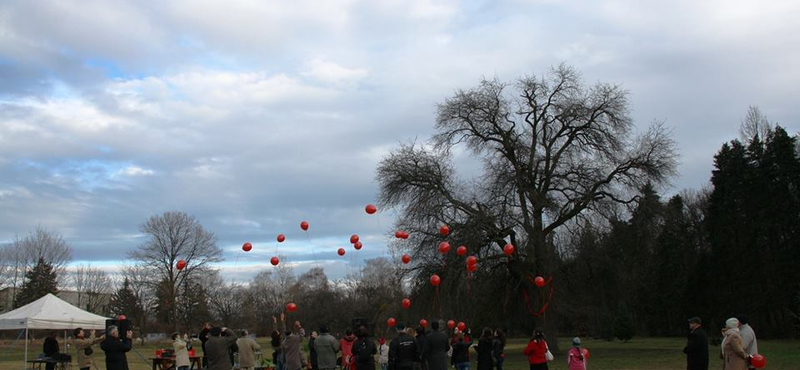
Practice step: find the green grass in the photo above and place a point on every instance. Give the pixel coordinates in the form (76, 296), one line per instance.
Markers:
(639, 353)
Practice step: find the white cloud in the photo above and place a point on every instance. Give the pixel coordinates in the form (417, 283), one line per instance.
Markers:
(134, 171)
(329, 72)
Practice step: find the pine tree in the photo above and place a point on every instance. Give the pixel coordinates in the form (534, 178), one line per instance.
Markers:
(124, 302)
(39, 281)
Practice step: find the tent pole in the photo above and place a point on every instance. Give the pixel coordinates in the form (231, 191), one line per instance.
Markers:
(26, 347)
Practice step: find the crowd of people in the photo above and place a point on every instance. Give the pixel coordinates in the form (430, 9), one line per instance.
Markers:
(411, 349)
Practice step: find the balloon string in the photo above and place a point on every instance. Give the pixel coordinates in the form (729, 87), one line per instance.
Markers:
(542, 310)
(313, 252)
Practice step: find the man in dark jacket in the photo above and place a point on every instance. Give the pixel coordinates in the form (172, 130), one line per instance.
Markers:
(50, 349)
(364, 350)
(404, 351)
(220, 342)
(203, 336)
(437, 347)
(696, 349)
(115, 348)
(422, 342)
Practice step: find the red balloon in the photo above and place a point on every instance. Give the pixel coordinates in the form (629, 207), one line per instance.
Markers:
(354, 239)
(423, 323)
(291, 307)
(508, 249)
(399, 234)
(461, 251)
(405, 235)
(122, 317)
(406, 303)
(281, 238)
(461, 326)
(444, 247)
(451, 324)
(471, 260)
(274, 261)
(358, 245)
(444, 230)
(472, 268)
(406, 259)
(435, 280)
(181, 264)
(304, 225)
(247, 247)
(391, 322)
(758, 361)
(340, 251)
(585, 353)
(539, 281)
(370, 208)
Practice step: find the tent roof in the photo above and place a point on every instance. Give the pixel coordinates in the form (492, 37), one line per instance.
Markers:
(50, 312)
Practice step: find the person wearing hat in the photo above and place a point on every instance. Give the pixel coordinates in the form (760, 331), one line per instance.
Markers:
(181, 352)
(247, 350)
(576, 356)
(696, 349)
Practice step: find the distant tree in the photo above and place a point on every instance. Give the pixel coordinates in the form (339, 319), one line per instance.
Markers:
(124, 302)
(623, 325)
(18, 257)
(173, 236)
(92, 285)
(39, 281)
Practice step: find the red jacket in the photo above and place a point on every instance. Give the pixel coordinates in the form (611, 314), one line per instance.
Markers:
(535, 351)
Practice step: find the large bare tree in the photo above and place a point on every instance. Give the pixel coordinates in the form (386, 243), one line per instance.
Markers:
(175, 236)
(22, 254)
(553, 149)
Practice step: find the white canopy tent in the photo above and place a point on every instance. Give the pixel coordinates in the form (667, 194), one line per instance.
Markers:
(50, 312)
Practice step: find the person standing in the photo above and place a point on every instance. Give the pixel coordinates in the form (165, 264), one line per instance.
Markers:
(749, 342)
(346, 345)
(247, 351)
(461, 346)
(484, 349)
(696, 349)
(181, 349)
(498, 348)
(291, 348)
(383, 354)
(577, 356)
(203, 336)
(326, 347)
(438, 345)
(403, 351)
(51, 349)
(364, 350)
(115, 348)
(83, 347)
(422, 342)
(733, 355)
(537, 351)
(312, 352)
(220, 342)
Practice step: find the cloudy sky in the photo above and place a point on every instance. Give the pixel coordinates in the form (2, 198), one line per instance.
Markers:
(255, 115)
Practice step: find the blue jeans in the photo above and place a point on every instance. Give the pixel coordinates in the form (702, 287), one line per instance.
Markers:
(499, 364)
(462, 366)
(385, 366)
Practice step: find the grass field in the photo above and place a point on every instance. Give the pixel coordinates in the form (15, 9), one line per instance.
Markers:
(639, 353)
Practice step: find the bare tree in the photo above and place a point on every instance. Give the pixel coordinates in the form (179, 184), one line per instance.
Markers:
(754, 125)
(552, 150)
(93, 287)
(23, 253)
(173, 236)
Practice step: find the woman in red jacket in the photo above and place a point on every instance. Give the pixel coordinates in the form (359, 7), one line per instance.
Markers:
(536, 350)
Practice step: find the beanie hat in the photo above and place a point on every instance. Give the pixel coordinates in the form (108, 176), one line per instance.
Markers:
(576, 342)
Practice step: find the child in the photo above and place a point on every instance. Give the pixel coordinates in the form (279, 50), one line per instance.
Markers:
(383, 354)
(577, 357)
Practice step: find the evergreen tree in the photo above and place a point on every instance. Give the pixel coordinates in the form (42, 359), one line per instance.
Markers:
(124, 302)
(39, 281)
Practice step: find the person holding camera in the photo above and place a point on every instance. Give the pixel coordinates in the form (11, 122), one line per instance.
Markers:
(83, 346)
(115, 348)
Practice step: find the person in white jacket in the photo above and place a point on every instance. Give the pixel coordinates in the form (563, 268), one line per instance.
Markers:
(383, 354)
(749, 342)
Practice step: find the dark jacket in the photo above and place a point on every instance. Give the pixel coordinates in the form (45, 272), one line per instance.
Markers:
(115, 349)
(438, 345)
(364, 349)
(312, 353)
(403, 352)
(498, 349)
(50, 346)
(422, 341)
(485, 354)
(461, 352)
(696, 350)
(218, 351)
